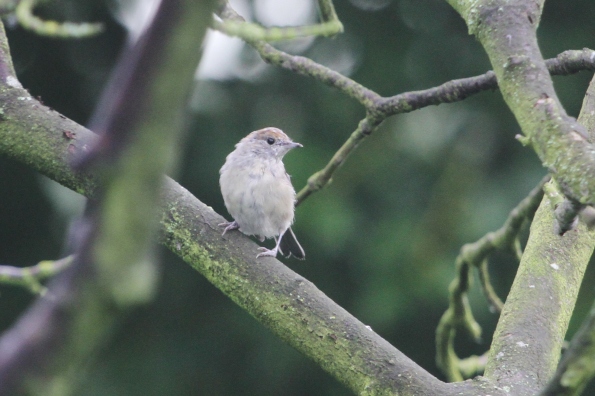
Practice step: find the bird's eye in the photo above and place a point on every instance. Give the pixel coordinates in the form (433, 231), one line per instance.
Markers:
(271, 140)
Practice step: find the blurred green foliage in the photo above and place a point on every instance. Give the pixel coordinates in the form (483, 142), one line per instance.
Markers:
(380, 240)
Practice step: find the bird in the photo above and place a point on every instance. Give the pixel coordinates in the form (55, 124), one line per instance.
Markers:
(258, 193)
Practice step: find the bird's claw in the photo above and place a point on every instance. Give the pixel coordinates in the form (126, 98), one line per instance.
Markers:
(229, 225)
(267, 252)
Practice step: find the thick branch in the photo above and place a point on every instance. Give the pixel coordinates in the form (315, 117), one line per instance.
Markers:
(291, 306)
(506, 29)
(535, 318)
(528, 339)
(577, 366)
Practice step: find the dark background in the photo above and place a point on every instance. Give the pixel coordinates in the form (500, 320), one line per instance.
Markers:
(380, 240)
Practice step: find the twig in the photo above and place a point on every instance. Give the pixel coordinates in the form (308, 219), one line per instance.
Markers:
(321, 178)
(486, 286)
(458, 314)
(26, 18)
(330, 26)
(30, 277)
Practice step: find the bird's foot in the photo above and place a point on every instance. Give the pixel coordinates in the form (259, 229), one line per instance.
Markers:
(267, 253)
(229, 225)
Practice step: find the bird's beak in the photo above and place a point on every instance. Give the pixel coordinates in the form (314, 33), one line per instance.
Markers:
(295, 145)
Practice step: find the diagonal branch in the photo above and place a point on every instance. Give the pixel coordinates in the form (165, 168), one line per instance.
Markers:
(507, 31)
(577, 366)
(534, 320)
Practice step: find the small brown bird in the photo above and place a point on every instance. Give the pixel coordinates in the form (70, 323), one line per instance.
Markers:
(258, 192)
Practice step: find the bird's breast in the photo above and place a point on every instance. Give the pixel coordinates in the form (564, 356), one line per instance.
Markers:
(260, 197)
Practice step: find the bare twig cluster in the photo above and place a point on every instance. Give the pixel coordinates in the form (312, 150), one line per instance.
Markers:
(379, 108)
(475, 255)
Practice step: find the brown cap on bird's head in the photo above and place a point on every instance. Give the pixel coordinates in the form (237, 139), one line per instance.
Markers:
(272, 139)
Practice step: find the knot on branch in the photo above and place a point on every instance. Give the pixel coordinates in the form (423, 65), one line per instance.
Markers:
(315, 183)
(566, 214)
(515, 61)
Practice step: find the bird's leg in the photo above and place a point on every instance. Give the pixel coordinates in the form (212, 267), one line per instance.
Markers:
(273, 252)
(229, 225)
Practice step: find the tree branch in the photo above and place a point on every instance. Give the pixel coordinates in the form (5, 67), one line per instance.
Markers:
(529, 335)
(290, 306)
(577, 366)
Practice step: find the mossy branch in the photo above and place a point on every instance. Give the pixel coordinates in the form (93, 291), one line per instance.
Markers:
(544, 290)
(577, 366)
(547, 282)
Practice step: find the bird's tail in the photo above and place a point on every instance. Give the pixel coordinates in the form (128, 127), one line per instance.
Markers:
(290, 245)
